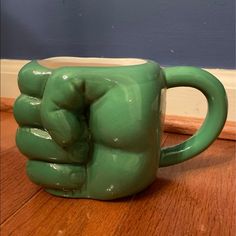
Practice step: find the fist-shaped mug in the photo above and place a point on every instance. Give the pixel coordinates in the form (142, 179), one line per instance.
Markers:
(92, 127)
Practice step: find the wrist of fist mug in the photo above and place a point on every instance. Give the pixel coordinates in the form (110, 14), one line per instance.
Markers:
(87, 134)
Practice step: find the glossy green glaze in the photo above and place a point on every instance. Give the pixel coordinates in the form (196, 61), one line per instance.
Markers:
(94, 132)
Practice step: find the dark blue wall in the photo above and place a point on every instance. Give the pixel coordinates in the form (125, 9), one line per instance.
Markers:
(172, 32)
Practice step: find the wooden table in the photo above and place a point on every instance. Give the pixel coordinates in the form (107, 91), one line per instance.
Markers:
(194, 198)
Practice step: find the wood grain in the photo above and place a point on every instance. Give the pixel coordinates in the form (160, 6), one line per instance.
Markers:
(16, 189)
(193, 198)
(8, 130)
(189, 125)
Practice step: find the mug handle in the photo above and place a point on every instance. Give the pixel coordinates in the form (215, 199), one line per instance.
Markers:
(215, 119)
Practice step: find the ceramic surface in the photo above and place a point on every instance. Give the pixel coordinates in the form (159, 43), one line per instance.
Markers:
(94, 131)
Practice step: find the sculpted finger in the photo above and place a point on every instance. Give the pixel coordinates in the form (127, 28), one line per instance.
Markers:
(32, 79)
(37, 144)
(27, 111)
(56, 176)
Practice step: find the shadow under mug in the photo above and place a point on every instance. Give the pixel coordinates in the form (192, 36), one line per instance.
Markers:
(92, 127)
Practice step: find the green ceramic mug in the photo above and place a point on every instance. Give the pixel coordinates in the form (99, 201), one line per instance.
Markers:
(91, 128)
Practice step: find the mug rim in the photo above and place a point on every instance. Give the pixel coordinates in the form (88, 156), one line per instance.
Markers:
(67, 61)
